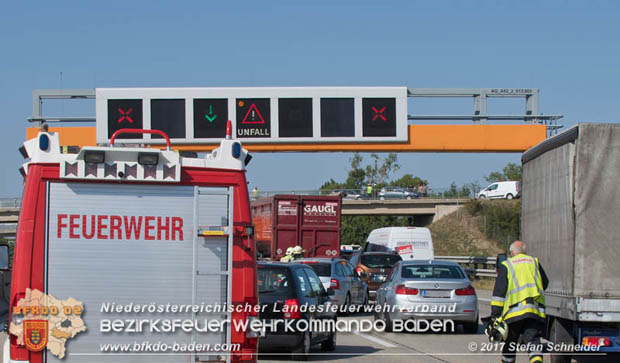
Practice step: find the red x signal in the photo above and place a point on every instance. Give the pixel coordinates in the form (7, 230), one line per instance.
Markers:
(125, 115)
(378, 113)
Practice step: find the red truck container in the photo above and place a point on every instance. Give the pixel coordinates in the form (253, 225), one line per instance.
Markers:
(283, 221)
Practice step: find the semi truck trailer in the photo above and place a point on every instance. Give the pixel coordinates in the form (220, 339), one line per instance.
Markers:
(310, 221)
(571, 221)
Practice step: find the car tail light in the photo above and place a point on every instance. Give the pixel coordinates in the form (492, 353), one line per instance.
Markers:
(596, 341)
(251, 315)
(291, 309)
(334, 284)
(469, 290)
(18, 351)
(404, 290)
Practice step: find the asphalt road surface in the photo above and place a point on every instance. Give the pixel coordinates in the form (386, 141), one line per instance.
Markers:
(414, 347)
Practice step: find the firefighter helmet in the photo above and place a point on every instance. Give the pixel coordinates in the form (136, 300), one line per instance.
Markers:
(497, 331)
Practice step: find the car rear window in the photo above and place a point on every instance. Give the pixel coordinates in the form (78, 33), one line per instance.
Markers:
(432, 272)
(321, 269)
(274, 280)
(380, 261)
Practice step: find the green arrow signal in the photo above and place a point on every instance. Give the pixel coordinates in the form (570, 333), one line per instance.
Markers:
(208, 117)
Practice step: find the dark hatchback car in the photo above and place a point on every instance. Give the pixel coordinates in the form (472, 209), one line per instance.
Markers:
(375, 267)
(281, 287)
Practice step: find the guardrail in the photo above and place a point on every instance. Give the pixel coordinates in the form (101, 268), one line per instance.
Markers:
(476, 266)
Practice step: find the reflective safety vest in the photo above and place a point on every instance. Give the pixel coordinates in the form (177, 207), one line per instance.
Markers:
(524, 294)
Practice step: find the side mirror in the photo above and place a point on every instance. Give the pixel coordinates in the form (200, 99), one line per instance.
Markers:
(4, 257)
(501, 257)
(330, 292)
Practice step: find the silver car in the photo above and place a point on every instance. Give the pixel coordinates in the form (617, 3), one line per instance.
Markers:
(338, 275)
(396, 193)
(429, 290)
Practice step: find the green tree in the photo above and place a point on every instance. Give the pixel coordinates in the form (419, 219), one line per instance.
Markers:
(408, 180)
(379, 171)
(511, 171)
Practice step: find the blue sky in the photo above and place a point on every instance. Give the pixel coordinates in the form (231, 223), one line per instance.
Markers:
(567, 49)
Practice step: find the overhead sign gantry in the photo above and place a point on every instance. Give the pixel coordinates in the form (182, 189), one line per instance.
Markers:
(275, 119)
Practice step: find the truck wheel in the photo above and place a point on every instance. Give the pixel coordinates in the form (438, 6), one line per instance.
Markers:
(330, 344)
(408, 197)
(302, 352)
(509, 196)
(559, 334)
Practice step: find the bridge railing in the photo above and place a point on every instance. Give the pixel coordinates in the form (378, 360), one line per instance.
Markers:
(442, 193)
(10, 202)
(476, 266)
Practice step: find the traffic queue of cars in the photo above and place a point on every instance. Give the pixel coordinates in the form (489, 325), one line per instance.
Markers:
(392, 276)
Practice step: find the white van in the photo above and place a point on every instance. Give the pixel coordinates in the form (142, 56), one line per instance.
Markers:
(505, 189)
(411, 243)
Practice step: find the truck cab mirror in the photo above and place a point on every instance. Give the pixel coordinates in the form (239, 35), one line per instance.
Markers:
(501, 257)
(4, 257)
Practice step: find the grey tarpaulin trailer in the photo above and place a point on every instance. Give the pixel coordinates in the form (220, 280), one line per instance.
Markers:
(571, 222)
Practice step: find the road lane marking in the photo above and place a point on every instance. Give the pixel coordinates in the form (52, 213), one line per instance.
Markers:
(483, 299)
(375, 340)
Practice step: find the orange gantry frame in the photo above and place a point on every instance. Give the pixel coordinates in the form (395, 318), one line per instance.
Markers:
(422, 138)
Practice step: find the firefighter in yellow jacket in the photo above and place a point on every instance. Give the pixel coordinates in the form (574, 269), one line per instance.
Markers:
(518, 300)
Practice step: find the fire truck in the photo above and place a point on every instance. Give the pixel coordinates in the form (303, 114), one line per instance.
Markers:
(124, 229)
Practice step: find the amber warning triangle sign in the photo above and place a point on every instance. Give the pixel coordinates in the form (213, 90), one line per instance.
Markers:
(253, 116)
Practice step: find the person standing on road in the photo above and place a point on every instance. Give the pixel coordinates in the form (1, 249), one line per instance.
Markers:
(288, 257)
(518, 300)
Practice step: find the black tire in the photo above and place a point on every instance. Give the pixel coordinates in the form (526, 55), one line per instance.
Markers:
(346, 304)
(408, 197)
(509, 196)
(382, 198)
(471, 328)
(389, 326)
(302, 352)
(330, 344)
(366, 298)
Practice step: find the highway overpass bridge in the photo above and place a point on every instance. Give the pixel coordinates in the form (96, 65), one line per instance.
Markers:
(424, 211)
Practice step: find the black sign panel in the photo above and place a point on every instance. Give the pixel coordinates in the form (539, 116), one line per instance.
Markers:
(210, 118)
(295, 117)
(169, 117)
(379, 116)
(124, 114)
(337, 117)
(253, 117)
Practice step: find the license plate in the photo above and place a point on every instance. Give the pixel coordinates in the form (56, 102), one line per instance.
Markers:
(379, 278)
(436, 293)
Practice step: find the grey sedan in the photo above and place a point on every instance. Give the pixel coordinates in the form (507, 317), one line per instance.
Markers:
(429, 290)
(337, 274)
(396, 193)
